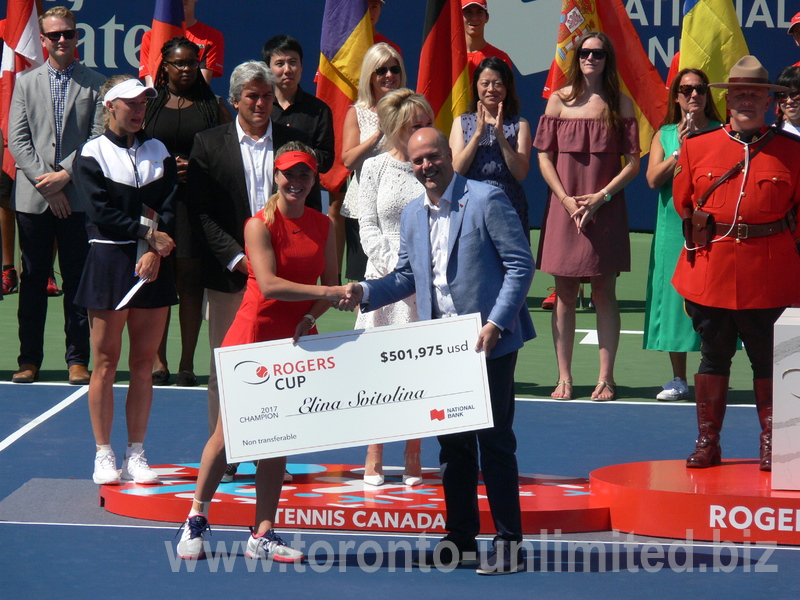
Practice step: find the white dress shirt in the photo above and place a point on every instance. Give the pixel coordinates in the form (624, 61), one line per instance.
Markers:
(439, 229)
(258, 157)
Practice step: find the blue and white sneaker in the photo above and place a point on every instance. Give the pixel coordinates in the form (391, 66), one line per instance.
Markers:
(677, 389)
(270, 544)
(191, 545)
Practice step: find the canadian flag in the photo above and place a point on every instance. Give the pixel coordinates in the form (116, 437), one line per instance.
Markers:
(22, 51)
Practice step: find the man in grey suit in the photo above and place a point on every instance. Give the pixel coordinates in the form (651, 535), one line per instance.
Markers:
(55, 109)
(462, 252)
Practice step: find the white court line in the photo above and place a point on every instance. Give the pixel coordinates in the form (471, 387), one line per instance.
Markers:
(591, 335)
(43, 417)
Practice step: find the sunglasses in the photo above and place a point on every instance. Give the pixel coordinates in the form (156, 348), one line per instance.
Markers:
(585, 53)
(794, 96)
(54, 36)
(394, 70)
(182, 65)
(700, 88)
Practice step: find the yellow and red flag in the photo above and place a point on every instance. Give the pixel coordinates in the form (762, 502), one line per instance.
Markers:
(22, 51)
(346, 36)
(168, 22)
(712, 40)
(443, 70)
(638, 78)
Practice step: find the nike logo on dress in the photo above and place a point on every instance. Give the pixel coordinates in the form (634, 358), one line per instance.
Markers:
(298, 231)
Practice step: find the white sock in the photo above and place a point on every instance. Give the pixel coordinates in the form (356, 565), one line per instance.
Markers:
(103, 449)
(134, 448)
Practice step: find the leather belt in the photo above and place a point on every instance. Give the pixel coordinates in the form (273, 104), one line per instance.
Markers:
(743, 231)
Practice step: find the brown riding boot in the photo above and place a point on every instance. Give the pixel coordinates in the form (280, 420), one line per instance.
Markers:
(763, 391)
(711, 397)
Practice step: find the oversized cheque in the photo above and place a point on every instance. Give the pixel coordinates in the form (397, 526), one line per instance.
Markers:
(352, 388)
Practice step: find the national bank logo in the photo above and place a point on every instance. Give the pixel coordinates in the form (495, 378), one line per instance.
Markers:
(252, 372)
(437, 415)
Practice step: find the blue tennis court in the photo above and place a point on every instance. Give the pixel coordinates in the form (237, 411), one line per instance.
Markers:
(58, 541)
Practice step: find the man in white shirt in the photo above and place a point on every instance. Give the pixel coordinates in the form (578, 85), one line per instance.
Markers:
(230, 179)
(460, 255)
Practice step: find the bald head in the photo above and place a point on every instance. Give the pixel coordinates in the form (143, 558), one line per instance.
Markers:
(432, 160)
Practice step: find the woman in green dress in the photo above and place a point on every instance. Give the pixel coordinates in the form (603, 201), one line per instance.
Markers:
(666, 326)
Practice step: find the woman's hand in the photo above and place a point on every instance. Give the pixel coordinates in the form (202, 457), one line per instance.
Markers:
(148, 266)
(481, 125)
(161, 243)
(303, 327)
(588, 205)
(498, 123)
(183, 167)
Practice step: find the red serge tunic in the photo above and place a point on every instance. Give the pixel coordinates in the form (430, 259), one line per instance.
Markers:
(299, 246)
(735, 273)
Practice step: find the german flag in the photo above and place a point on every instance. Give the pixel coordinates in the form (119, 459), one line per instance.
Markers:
(443, 71)
(346, 36)
(638, 78)
(168, 22)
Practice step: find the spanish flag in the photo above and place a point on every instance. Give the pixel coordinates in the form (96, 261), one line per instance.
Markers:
(443, 70)
(638, 78)
(168, 22)
(22, 51)
(346, 36)
(712, 40)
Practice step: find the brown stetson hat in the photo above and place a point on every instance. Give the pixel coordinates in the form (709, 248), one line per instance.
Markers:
(749, 72)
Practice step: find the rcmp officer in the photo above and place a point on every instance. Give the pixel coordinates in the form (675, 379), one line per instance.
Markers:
(740, 267)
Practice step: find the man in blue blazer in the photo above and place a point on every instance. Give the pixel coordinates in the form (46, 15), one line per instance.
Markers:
(461, 251)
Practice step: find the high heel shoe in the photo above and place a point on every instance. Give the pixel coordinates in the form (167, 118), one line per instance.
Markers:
(374, 464)
(412, 474)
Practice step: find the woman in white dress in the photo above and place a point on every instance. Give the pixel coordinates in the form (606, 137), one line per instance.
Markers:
(382, 71)
(387, 185)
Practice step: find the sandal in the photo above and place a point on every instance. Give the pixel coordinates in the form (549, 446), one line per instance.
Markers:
(602, 386)
(566, 394)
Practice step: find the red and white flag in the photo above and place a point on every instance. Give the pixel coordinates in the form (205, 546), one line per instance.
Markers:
(22, 51)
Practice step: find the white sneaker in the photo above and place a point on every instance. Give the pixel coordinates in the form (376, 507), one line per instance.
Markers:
(270, 544)
(135, 468)
(191, 545)
(105, 469)
(677, 389)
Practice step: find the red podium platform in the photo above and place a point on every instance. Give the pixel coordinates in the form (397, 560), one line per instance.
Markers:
(732, 502)
(335, 497)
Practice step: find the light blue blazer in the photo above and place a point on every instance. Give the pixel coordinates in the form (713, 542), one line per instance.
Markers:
(489, 264)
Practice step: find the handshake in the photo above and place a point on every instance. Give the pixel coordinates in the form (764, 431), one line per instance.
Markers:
(345, 297)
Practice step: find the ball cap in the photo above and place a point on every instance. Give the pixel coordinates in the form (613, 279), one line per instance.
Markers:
(481, 3)
(287, 160)
(795, 21)
(749, 72)
(128, 89)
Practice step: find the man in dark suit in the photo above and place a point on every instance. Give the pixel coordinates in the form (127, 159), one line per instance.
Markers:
(55, 109)
(461, 254)
(230, 179)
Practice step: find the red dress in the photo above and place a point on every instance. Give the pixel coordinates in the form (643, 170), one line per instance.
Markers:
(299, 246)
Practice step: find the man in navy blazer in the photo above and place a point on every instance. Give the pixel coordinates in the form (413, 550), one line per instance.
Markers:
(462, 252)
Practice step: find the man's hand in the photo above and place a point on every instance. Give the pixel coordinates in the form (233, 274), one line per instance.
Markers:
(50, 183)
(241, 266)
(487, 338)
(59, 204)
(353, 293)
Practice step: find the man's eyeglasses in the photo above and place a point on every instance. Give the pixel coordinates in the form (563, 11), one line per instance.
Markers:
(700, 88)
(394, 70)
(585, 53)
(54, 36)
(182, 65)
(794, 96)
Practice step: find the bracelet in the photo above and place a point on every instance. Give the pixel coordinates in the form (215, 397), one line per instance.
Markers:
(149, 235)
(606, 195)
(564, 198)
(311, 318)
